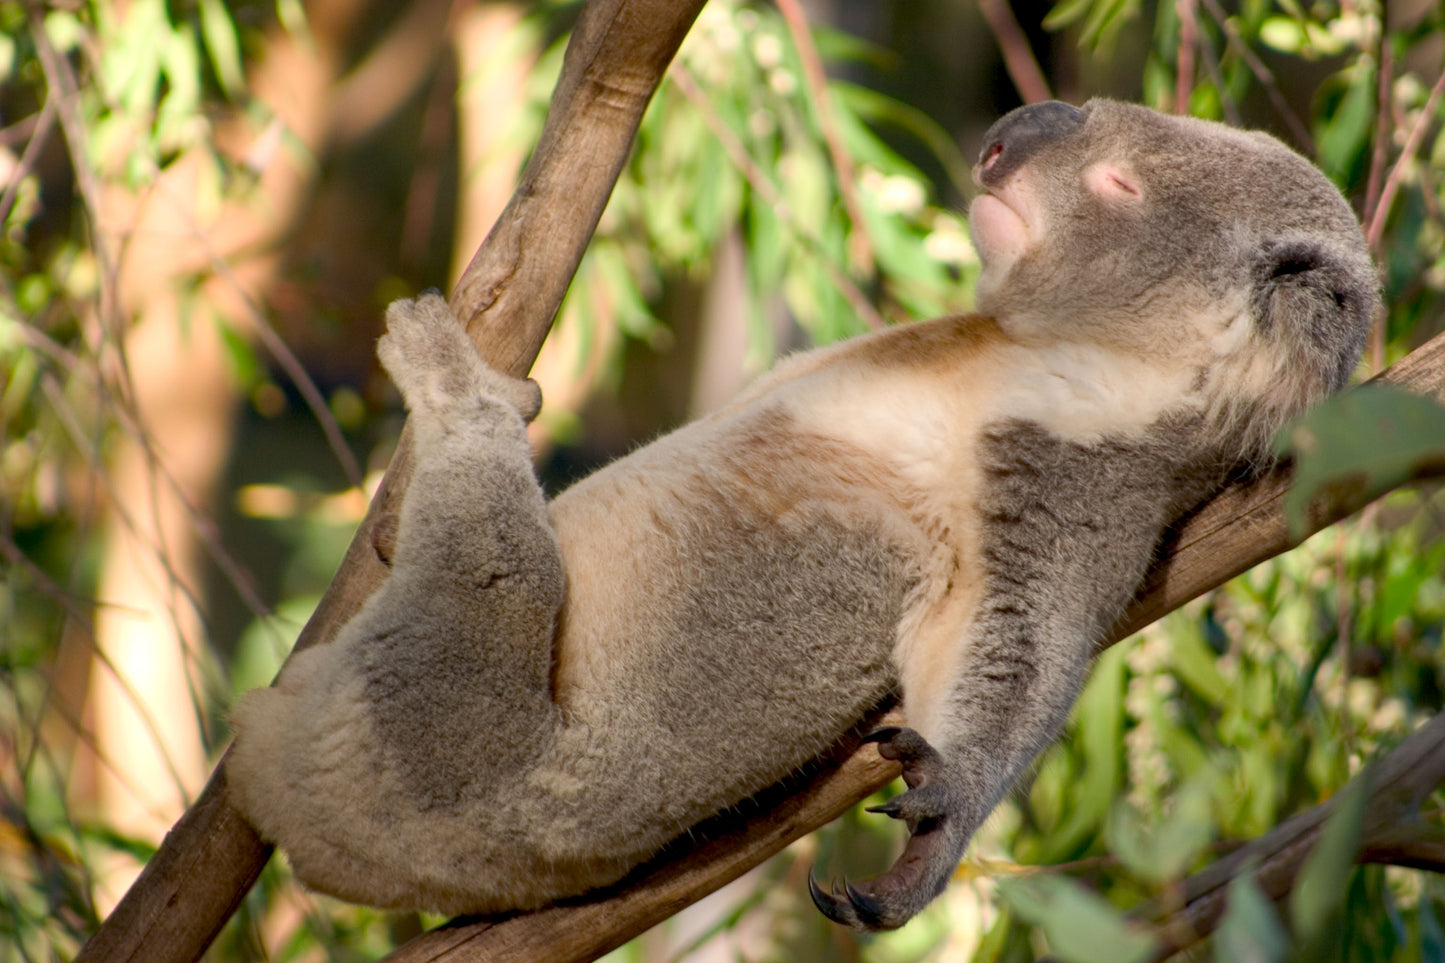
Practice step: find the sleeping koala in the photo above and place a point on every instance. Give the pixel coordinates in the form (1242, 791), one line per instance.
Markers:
(543, 693)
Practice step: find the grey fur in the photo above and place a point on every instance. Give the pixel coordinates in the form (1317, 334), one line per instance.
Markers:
(542, 695)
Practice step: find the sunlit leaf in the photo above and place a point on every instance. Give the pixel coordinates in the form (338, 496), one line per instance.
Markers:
(292, 16)
(62, 29)
(221, 43)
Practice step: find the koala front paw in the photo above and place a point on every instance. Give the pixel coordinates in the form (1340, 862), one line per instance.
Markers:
(434, 364)
(939, 826)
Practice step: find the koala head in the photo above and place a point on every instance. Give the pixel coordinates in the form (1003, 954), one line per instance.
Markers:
(1189, 240)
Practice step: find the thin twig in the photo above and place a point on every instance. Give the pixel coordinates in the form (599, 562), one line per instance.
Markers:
(860, 248)
(771, 196)
(41, 124)
(64, 90)
(173, 579)
(1184, 63)
(1216, 76)
(1379, 159)
(203, 526)
(1375, 227)
(1297, 128)
(1018, 57)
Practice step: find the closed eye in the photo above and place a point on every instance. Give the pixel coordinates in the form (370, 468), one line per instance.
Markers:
(1112, 182)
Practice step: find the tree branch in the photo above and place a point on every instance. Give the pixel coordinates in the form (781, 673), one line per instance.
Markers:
(507, 297)
(1018, 57)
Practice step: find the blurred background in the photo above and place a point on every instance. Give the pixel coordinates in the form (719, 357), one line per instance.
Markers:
(207, 205)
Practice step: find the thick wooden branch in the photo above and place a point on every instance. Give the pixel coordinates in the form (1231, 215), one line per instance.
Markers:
(507, 297)
(719, 852)
(1242, 527)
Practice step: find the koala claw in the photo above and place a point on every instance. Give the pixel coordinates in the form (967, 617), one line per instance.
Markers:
(852, 908)
(922, 766)
(935, 841)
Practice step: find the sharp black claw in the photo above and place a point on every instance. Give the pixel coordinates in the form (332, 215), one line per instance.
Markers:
(891, 808)
(851, 907)
(866, 909)
(829, 904)
(882, 734)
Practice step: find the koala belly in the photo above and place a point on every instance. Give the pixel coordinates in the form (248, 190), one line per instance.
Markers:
(765, 632)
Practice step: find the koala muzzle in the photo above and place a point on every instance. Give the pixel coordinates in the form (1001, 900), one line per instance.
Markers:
(1015, 137)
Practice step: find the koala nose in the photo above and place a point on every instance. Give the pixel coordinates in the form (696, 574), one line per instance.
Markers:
(1015, 137)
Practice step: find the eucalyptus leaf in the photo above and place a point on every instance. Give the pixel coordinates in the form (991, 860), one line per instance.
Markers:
(1320, 892)
(219, 32)
(1376, 435)
(1342, 135)
(1251, 931)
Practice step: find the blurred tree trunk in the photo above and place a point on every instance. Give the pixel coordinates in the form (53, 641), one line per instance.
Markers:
(145, 705)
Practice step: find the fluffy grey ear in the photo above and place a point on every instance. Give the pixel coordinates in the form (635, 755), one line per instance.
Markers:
(1316, 301)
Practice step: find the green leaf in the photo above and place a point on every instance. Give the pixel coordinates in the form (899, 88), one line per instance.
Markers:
(7, 55)
(130, 64)
(1251, 931)
(63, 30)
(1376, 434)
(180, 107)
(1302, 38)
(1324, 881)
(292, 17)
(1098, 733)
(219, 32)
(1081, 926)
(1194, 662)
(1343, 133)
(1103, 19)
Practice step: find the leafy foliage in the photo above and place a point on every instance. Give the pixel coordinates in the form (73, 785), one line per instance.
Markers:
(1407, 440)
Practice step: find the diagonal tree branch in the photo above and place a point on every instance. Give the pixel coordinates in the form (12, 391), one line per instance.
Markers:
(507, 297)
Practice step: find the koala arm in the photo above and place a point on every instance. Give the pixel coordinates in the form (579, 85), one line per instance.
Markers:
(1068, 531)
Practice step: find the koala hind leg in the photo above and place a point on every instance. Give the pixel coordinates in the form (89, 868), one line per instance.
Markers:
(458, 656)
(378, 760)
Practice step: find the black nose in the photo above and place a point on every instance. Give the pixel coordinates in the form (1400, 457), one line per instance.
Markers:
(1015, 137)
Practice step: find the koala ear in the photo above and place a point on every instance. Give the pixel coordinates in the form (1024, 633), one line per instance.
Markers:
(1315, 301)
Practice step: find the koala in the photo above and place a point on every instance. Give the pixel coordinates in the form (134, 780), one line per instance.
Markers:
(952, 513)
